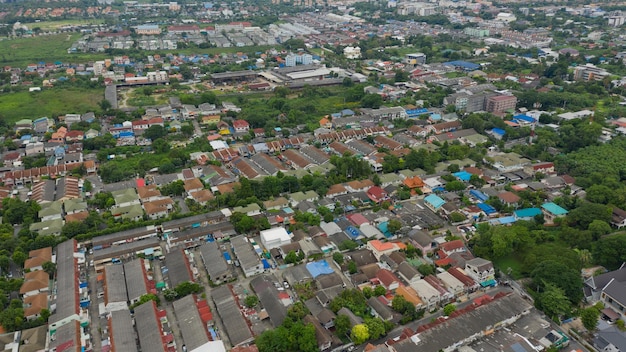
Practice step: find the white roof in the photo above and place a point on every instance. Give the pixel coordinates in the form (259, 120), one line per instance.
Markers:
(432, 182)
(330, 228)
(217, 145)
(424, 290)
(211, 346)
(277, 233)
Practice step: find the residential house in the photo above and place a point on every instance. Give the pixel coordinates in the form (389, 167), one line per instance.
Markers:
(408, 272)
(379, 309)
(37, 257)
(429, 295)
(618, 218)
(379, 248)
(409, 294)
(434, 202)
(387, 279)
(298, 197)
(158, 208)
(481, 270)
(509, 198)
(609, 288)
(35, 282)
(552, 211)
(241, 126)
(377, 194)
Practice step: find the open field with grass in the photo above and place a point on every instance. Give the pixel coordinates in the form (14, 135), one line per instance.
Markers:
(57, 25)
(49, 102)
(50, 48)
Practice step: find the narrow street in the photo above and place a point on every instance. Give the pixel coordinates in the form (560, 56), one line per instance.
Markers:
(96, 337)
(169, 308)
(204, 281)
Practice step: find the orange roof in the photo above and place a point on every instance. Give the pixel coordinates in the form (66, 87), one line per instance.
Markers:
(324, 121)
(409, 294)
(413, 182)
(382, 246)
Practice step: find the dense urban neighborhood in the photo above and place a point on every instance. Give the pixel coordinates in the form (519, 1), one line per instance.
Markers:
(305, 175)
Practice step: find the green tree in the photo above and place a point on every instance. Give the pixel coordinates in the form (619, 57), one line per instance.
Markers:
(589, 317)
(19, 258)
(426, 269)
(380, 291)
(449, 309)
(146, 298)
(291, 258)
(352, 268)
(342, 325)
(251, 301)
(553, 301)
(155, 132)
(49, 267)
(372, 101)
(338, 258)
(393, 226)
(359, 334)
(610, 251)
(558, 274)
(375, 328)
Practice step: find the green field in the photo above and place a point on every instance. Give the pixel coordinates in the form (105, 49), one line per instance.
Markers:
(49, 102)
(23, 51)
(56, 25)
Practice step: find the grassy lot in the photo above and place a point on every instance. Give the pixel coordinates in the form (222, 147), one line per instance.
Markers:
(23, 51)
(56, 25)
(213, 51)
(505, 263)
(49, 102)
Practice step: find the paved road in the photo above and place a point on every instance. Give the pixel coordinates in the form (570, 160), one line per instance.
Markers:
(168, 306)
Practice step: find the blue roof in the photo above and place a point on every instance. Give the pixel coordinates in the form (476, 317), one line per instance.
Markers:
(478, 195)
(486, 208)
(463, 175)
(347, 112)
(554, 209)
(507, 220)
(434, 200)
(266, 264)
(525, 118)
(416, 112)
(464, 65)
(527, 212)
(384, 228)
(26, 137)
(353, 232)
(319, 268)
(435, 117)
(498, 131)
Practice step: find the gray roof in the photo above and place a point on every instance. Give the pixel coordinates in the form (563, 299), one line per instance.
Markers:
(354, 319)
(617, 291)
(439, 337)
(363, 257)
(268, 295)
(598, 282)
(117, 186)
(65, 334)
(420, 237)
(124, 235)
(480, 263)
(382, 310)
(234, 323)
(122, 332)
(407, 271)
(201, 219)
(178, 267)
(189, 322)
(115, 283)
(67, 282)
(213, 261)
(245, 253)
(135, 279)
(329, 280)
(147, 324)
(126, 248)
(611, 335)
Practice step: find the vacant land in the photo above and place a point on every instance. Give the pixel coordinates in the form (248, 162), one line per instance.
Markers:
(57, 25)
(49, 48)
(49, 102)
